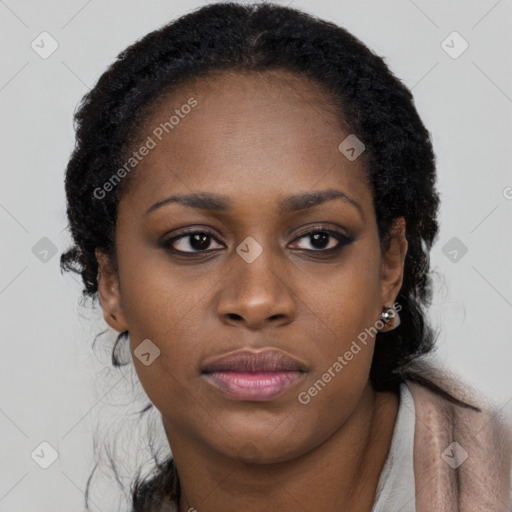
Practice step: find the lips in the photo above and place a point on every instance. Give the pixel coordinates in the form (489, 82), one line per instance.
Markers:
(254, 376)
(248, 361)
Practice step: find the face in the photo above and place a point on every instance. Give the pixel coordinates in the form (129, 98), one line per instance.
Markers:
(254, 267)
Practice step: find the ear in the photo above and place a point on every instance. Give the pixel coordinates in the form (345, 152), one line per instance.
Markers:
(392, 263)
(108, 290)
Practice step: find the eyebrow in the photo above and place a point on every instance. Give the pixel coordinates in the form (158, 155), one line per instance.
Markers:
(215, 203)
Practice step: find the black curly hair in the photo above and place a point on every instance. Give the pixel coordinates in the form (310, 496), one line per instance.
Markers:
(371, 102)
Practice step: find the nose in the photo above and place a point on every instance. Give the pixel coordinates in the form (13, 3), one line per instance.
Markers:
(256, 294)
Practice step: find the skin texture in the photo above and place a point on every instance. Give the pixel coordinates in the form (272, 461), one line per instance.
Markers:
(257, 139)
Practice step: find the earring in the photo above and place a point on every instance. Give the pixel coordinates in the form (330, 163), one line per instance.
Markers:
(389, 313)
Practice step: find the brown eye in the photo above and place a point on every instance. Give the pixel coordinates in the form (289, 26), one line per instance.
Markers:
(324, 240)
(197, 241)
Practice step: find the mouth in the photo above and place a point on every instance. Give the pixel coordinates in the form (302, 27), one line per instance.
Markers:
(254, 376)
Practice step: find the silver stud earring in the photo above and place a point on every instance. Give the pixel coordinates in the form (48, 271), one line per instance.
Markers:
(389, 313)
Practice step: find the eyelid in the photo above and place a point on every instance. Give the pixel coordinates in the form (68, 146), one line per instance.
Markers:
(188, 231)
(323, 227)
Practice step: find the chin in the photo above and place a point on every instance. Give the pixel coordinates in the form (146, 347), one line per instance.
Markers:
(267, 449)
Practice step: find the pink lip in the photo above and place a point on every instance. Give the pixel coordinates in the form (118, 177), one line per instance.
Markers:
(254, 376)
(254, 387)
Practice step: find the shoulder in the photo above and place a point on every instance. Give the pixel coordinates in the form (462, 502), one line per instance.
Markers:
(461, 408)
(466, 450)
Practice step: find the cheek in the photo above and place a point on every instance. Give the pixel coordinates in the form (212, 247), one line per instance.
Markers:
(347, 299)
(173, 349)
(157, 296)
(344, 324)
(159, 305)
(343, 351)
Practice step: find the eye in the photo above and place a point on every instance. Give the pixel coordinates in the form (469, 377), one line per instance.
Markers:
(325, 240)
(198, 241)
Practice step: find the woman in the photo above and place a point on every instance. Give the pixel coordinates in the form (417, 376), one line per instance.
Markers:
(252, 199)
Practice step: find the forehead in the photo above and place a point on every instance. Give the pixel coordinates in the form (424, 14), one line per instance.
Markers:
(247, 132)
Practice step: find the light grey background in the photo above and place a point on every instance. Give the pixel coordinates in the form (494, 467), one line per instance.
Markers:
(53, 385)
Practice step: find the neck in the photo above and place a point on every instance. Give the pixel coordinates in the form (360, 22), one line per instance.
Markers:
(343, 470)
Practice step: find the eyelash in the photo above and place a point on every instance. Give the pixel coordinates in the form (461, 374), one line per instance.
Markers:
(342, 239)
